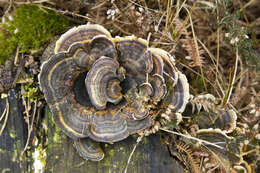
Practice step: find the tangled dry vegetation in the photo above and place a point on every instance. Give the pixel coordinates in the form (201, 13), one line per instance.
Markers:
(215, 43)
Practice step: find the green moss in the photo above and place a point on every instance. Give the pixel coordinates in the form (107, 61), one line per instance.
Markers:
(145, 140)
(17, 146)
(116, 156)
(36, 26)
(8, 44)
(30, 28)
(111, 152)
(57, 135)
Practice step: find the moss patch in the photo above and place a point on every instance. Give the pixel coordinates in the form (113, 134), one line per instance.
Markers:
(7, 44)
(29, 28)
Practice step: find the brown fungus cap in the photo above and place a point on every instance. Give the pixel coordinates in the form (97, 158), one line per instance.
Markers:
(77, 34)
(89, 149)
(228, 148)
(102, 83)
(218, 119)
(103, 89)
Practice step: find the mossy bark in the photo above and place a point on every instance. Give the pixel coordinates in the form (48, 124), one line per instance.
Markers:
(13, 138)
(149, 156)
(59, 155)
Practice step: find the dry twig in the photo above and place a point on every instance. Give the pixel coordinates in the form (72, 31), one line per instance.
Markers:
(139, 139)
(193, 138)
(29, 125)
(5, 114)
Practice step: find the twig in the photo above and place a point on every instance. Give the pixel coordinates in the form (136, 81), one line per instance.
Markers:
(99, 5)
(225, 101)
(131, 154)
(190, 137)
(156, 27)
(16, 59)
(216, 66)
(67, 12)
(35, 2)
(29, 126)
(218, 36)
(6, 114)
(120, 29)
(186, 66)
(156, 11)
(167, 14)
(177, 14)
(250, 3)
(148, 38)
(250, 151)
(3, 114)
(27, 2)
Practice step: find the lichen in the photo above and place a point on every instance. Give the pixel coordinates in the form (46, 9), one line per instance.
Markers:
(29, 28)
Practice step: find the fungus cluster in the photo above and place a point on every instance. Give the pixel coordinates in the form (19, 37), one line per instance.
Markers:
(103, 89)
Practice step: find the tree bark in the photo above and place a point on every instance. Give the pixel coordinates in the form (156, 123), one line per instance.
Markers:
(150, 155)
(14, 136)
(60, 156)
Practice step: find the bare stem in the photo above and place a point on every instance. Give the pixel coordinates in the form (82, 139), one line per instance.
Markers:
(131, 154)
(225, 101)
(6, 114)
(30, 126)
(190, 137)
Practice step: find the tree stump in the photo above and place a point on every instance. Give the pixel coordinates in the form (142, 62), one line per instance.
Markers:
(14, 136)
(150, 155)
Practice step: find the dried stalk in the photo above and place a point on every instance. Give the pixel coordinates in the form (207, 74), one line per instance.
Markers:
(230, 88)
(5, 114)
(190, 137)
(139, 139)
(29, 126)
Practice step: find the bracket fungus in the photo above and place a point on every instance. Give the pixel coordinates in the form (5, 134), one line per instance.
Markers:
(103, 89)
(210, 115)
